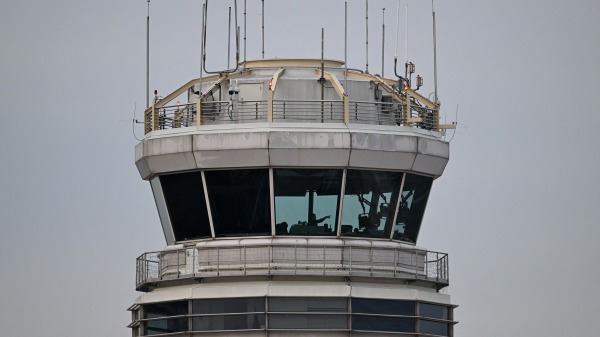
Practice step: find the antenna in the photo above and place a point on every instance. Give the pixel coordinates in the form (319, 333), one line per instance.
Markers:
(244, 33)
(262, 18)
(229, 39)
(435, 95)
(346, 46)
(148, 57)
(201, 52)
(383, 43)
(367, 34)
(406, 36)
(204, 25)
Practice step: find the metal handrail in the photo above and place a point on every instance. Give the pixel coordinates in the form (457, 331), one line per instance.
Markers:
(289, 110)
(289, 260)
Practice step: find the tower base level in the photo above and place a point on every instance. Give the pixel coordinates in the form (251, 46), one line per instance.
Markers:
(291, 307)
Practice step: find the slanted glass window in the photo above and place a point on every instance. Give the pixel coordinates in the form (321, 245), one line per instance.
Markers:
(229, 305)
(383, 307)
(239, 202)
(303, 321)
(308, 304)
(412, 206)
(166, 325)
(229, 322)
(184, 197)
(434, 328)
(379, 323)
(237, 314)
(433, 311)
(306, 201)
(327, 313)
(370, 200)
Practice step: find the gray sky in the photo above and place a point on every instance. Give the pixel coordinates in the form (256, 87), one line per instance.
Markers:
(516, 209)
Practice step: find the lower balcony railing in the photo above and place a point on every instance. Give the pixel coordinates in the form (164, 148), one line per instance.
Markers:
(204, 262)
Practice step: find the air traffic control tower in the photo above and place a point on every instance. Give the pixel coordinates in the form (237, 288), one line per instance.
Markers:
(291, 193)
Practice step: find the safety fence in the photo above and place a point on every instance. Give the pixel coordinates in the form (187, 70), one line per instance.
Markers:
(321, 260)
(315, 111)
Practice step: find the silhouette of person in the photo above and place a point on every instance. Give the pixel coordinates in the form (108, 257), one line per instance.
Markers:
(313, 221)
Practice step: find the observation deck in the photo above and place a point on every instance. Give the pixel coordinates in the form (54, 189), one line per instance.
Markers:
(291, 167)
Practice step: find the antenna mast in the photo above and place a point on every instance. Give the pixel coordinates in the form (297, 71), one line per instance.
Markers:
(244, 33)
(435, 92)
(148, 57)
(383, 44)
(262, 18)
(367, 34)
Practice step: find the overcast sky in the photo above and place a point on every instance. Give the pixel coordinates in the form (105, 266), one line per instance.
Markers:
(517, 208)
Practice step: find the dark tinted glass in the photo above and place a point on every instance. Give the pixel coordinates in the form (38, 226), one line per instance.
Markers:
(302, 304)
(370, 201)
(165, 309)
(239, 202)
(412, 206)
(161, 326)
(229, 322)
(185, 200)
(306, 201)
(228, 305)
(377, 323)
(434, 328)
(433, 311)
(283, 321)
(383, 307)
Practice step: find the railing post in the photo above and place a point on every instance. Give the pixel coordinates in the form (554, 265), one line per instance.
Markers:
(244, 260)
(406, 113)
(350, 260)
(395, 260)
(154, 117)
(346, 102)
(324, 260)
(198, 112)
(270, 106)
(218, 260)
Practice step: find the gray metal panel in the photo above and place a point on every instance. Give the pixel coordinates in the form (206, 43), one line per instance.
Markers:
(432, 156)
(166, 154)
(383, 151)
(317, 149)
(241, 149)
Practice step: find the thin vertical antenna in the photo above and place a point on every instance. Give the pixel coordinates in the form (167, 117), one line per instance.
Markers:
(406, 36)
(383, 44)
(201, 51)
(237, 35)
(346, 46)
(229, 40)
(148, 57)
(262, 18)
(397, 28)
(367, 34)
(406, 45)
(435, 92)
(244, 33)
(322, 79)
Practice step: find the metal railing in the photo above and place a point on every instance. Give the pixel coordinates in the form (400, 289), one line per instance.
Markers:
(322, 111)
(317, 111)
(203, 262)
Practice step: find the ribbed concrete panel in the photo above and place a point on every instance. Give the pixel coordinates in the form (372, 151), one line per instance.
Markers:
(318, 149)
(432, 156)
(240, 149)
(165, 154)
(383, 151)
